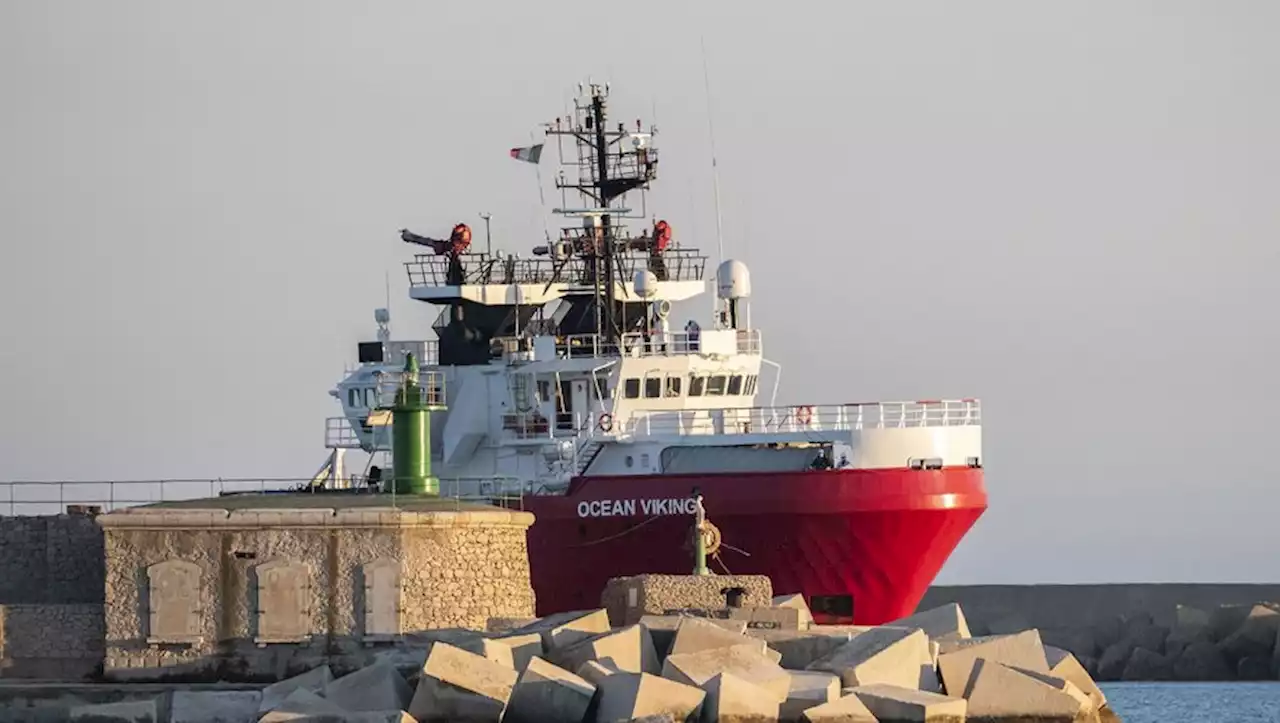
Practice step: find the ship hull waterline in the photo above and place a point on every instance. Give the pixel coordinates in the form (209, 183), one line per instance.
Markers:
(878, 536)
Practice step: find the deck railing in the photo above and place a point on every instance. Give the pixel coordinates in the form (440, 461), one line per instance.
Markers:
(47, 497)
(804, 418)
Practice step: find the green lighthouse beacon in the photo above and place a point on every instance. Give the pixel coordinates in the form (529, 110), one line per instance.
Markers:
(411, 408)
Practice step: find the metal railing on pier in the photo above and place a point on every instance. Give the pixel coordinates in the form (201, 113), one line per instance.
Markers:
(48, 497)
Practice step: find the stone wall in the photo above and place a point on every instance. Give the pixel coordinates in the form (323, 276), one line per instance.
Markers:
(246, 594)
(58, 642)
(50, 559)
(627, 599)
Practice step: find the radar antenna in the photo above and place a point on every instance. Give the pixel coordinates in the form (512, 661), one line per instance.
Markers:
(609, 163)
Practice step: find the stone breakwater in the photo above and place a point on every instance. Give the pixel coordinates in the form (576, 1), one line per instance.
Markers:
(578, 668)
(1140, 632)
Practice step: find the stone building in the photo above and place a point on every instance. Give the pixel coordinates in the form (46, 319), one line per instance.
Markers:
(262, 585)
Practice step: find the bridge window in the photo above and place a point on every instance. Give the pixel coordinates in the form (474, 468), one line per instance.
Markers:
(716, 385)
(752, 380)
(631, 388)
(652, 387)
(697, 385)
(352, 398)
(673, 386)
(735, 385)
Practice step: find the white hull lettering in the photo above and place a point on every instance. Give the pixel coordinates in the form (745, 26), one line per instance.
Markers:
(627, 508)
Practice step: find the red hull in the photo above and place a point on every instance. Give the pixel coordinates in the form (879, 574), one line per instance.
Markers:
(880, 536)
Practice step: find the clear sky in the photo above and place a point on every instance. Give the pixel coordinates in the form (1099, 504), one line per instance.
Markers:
(1070, 210)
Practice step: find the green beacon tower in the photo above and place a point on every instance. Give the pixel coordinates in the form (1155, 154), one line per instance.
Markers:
(411, 405)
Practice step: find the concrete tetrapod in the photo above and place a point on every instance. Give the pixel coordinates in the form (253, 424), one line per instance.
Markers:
(546, 693)
(743, 661)
(892, 656)
(456, 685)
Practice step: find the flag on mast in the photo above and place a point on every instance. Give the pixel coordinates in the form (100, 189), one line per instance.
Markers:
(531, 154)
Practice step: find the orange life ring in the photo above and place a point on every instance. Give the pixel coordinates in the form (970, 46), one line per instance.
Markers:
(804, 414)
(606, 422)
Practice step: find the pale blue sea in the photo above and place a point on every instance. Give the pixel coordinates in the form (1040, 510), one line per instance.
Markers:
(1194, 702)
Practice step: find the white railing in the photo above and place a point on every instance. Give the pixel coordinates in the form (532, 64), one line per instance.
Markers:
(430, 390)
(644, 345)
(53, 497)
(805, 418)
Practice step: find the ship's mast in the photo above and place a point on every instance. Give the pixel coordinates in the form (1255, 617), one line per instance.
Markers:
(608, 164)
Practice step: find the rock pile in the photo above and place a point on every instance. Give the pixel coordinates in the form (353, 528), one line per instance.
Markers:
(577, 668)
(1231, 642)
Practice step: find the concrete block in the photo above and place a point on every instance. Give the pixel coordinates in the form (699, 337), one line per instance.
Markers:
(767, 618)
(998, 692)
(456, 685)
(214, 706)
(891, 703)
(958, 657)
(941, 623)
(300, 705)
(743, 661)
(797, 649)
(629, 649)
(375, 688)
(884, 655)
(849, 709)
(524, 647)
(1064, 665)
(471, 641)
(546, 693)
(662, 628)
(564, 629)
(593, 671)
(731, 699)
(628, 696)
(808, 689)
(313, 680)
(797, 601)
(130, 711)
(695, 635)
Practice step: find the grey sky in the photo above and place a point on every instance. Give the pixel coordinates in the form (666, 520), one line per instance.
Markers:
(1069, 210)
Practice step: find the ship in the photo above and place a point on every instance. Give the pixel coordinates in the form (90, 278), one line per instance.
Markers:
(569, 390)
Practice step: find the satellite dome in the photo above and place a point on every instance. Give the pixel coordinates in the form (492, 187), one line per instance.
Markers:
(733, 280)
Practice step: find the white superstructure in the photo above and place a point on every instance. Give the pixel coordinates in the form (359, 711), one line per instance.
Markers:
(568, 363)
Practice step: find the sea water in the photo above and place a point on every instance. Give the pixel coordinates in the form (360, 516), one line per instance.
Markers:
(1194, 702)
